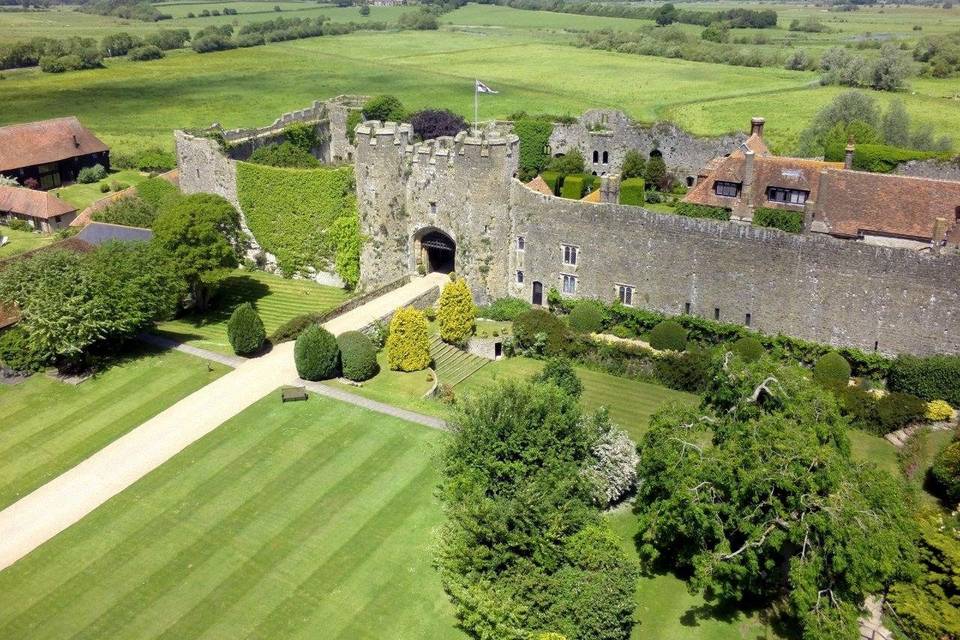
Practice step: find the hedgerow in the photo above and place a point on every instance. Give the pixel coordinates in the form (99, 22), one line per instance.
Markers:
(879, 158)
(933, 378)
(294, 215)
(573, 187)
(632, 192)
(790, 221)
(702, 211)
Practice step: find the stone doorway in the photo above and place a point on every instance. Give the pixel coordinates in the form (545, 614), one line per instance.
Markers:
(537, 293)
(437, 252)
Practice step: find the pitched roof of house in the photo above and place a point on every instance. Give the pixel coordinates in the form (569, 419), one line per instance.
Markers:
(36, 204)
(33, 143)
(540, 185)
(97, 233)
(855, 202)
(593, 196)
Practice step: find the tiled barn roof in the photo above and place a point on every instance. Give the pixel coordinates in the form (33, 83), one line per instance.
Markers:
(33, 143)
(36, 204)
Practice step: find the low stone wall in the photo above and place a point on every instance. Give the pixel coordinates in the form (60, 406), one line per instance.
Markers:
(485, 347)
(936, 169)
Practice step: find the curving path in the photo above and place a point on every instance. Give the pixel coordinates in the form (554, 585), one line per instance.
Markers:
(63, 501)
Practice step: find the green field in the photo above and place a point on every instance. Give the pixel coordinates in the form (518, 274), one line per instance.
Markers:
(276, 299)
(21, 241)
(298, 520)
(49, 426)
(83, 195)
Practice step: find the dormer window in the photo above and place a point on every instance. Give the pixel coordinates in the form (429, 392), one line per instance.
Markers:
(787, 196)
(726, 189)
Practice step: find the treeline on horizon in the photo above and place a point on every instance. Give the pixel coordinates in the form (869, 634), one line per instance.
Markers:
(663, 14)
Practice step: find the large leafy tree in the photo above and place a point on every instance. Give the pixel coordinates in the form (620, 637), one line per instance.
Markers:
(757, 495)
(70, 302)
(201, 234)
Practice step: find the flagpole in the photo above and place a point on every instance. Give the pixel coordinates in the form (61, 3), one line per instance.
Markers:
(476, 109)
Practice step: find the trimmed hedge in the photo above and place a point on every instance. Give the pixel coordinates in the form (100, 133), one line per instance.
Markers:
(573, 187)
(790, 221)
(358, 356)
(531, 325)
(632, 192)
(553, 180)
(316, 354)
(456, 314)
(879, 158)
(586, 317)
(245, 330)
(292, 212)
(408, 345)
(669, 334)
(932, 378)
(692, 210)
(946, 472)
(832, 368)
(748, 348)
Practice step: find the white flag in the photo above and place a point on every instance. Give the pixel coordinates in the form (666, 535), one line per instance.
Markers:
(482, 88)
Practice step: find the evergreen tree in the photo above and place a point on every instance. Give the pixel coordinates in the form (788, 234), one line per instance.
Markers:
(245, 330)
(456, 314)
(408, 345)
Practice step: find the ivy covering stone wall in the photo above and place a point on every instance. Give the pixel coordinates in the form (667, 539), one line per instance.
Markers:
(305, 217)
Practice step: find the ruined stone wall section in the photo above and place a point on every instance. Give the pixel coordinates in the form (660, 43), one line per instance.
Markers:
(935, 169)
(804, 285)
(613, 132)
(458, 185)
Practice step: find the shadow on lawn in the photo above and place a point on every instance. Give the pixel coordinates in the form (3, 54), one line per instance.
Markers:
(231, 292)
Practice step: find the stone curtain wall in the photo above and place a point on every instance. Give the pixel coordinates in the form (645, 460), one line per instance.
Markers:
(204, 168)
(460, 186)
(616, 133)
(833, 291)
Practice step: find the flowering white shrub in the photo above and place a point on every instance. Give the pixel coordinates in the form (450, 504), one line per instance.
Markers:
(614, 471)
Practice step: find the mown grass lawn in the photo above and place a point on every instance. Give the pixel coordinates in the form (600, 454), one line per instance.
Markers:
(83, 195)
(276, 299)
(47, 426)
(22, 241)
(300, 520)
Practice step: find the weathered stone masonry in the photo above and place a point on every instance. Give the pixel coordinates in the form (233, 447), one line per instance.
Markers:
(816, 288)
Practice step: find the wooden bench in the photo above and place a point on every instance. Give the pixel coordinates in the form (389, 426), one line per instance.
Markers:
(293, 394)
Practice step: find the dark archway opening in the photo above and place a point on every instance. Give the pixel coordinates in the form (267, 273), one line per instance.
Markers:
(439, 252)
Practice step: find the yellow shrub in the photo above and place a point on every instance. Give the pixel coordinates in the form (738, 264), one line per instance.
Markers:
(456, 315)
(408, 346)
(939, 410)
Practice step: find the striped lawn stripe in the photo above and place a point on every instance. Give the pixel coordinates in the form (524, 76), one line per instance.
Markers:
(49, 426)
(282, 512)
(276, 299)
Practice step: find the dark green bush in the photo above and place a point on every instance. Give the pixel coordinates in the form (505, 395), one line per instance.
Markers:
(292, 328)
(686, 371)
(878, 158)
(89, 175)
(692, 210)
(154, 160)
(831, 368)
(384, 108)
(358, 356)
(553, 180)
(539, 322)
(573, 187)
(130, 212)
(668, 335)
(586, 317)
(932, 378)
(748, 348)
(632, 192)
(503, 309)
(146, 52)
(156, 191)
(791, 221)
(946, 473)
(245, 330)
(862, 408)
(559, 371)
(16, 352)
(897, 410)
(316, 354)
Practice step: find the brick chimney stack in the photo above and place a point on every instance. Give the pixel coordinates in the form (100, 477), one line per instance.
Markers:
(610, 189)
(756, 126)
(848, 154)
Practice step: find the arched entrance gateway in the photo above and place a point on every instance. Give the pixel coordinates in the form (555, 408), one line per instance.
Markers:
(436, 251)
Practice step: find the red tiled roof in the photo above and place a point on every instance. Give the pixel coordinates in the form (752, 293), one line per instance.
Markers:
(33, 143)
(539, 184)
(854, 202)
(36, 204)
(593, 196)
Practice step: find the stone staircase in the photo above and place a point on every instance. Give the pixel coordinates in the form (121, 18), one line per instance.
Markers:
(452, 365)
(899, 437)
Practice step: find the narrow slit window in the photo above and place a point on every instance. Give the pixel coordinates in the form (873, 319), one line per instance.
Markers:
(686, 308)
(521, 243)
(519, 277)
(747, 320)
(716, 313)
(569, 254)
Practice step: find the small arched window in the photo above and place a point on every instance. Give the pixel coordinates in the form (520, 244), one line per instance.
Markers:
(596, 157)
(690, 180)
(656, 153)
(606, 157)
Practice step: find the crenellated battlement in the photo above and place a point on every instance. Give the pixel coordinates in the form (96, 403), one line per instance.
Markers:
(443, 150)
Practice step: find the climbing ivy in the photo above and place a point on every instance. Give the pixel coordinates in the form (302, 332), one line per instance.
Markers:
(305, 217)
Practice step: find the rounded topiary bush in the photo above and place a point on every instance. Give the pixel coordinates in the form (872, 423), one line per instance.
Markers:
(946, 472)
(245, 330)
(358, 356)
(669, 335)
(316, 354)
(748, 348)
(552, 332)
(832, 368)
(408, 345)
(586, 317)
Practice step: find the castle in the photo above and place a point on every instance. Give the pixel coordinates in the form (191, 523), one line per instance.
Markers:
(454, 204)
